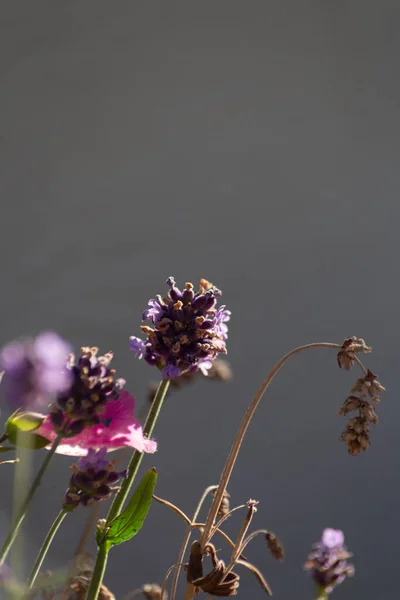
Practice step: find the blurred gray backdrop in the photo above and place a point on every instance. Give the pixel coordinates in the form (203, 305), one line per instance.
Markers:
(252, 143)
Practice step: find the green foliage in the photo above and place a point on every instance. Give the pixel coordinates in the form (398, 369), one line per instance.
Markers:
(129, 522)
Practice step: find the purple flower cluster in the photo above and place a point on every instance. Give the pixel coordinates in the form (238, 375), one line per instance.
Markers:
(92, 387)
(328, 561)
(92, 480)
(188, 330)
(35, 370)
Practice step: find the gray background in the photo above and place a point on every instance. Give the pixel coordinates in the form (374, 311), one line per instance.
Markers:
(253, 143)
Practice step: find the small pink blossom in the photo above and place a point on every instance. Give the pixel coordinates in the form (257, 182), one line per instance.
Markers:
(120, 429)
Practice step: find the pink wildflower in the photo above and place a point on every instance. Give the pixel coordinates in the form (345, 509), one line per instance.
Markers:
(119, 429)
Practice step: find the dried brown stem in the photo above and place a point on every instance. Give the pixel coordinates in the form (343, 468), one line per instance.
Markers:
(230, 463)
(186, 539)
(233, 454)
(176, 510)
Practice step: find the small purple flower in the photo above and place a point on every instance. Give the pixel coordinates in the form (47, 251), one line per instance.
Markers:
(328, 561)
(154, 311)
(137, 346)
(188, 330)
(170, 372)
(222, 316)
(95, 459)
(92, 480)
(35, 370)
(205, 366)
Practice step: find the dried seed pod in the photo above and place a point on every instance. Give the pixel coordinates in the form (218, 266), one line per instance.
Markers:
(275, 546)
(225, 505)
(350, 404)
(216, 583)
(152, 591)
(369, 386)
(194, 569)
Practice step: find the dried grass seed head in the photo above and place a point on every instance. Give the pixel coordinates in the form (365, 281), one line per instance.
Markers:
(357, 432)
(347, 354)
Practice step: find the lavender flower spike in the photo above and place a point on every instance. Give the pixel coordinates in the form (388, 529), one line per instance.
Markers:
(328, 561)
(35, 370)
(188, 330)
(92, 480)
(93, 386)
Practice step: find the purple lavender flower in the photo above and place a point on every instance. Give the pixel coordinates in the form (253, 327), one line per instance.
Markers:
(137, 346)
(92, 480)
(93, 385)
(328, 561)
(188, 330)
(35, 370)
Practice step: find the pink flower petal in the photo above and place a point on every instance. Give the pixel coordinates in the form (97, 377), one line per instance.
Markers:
(123, 430)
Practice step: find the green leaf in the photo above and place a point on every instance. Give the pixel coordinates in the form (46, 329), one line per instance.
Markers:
(129, 522)
(20, 429)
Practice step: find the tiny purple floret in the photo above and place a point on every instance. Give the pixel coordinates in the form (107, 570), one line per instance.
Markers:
(332, 538)
(95, 460)
(137, 346)
(170, 372)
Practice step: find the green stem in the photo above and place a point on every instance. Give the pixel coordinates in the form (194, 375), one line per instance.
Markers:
(321, 595)
(25, 505)
(137, 457)
(98, 571)
(120, 498)
(45, 547)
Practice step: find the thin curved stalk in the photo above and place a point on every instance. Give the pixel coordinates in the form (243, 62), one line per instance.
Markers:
(167, 574)
(222, 534)
(251, 538)
(45, 547)
(225, 517)
(25, 505)
(230, 463)
(192, 525)
(233, 454)
(186, 539)
(176, 510)
(239, 551)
